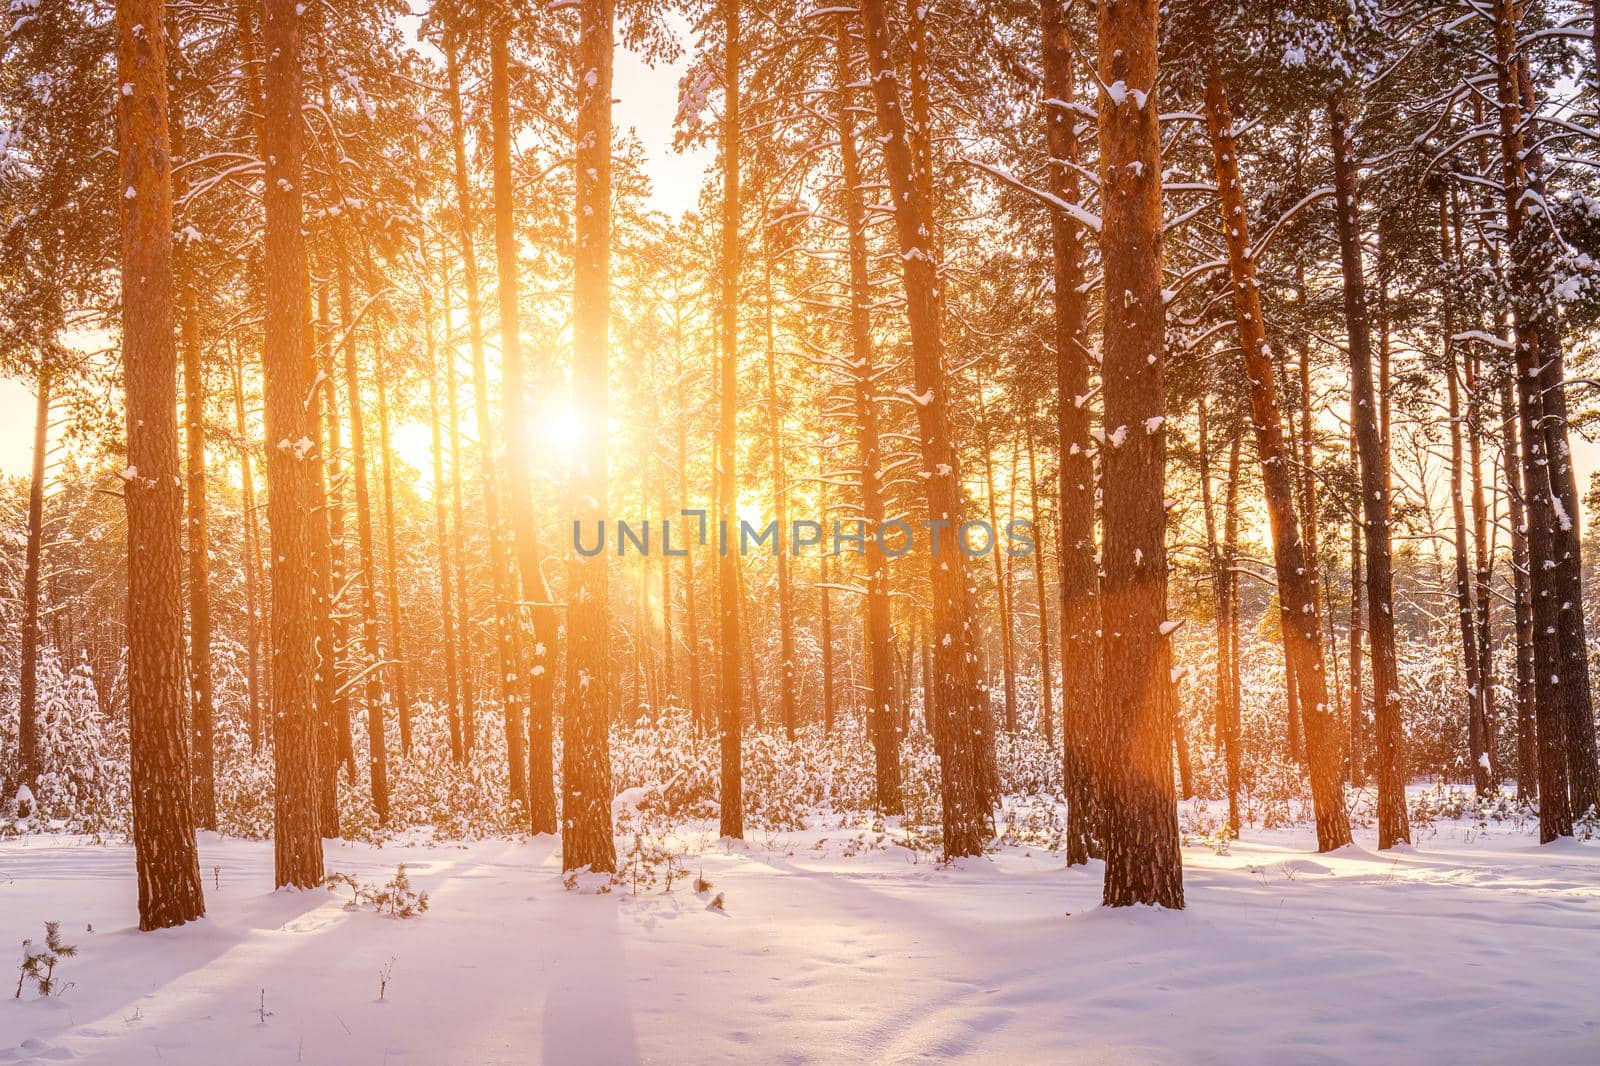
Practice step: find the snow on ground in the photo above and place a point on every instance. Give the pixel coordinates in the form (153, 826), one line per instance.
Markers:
(1476, 946)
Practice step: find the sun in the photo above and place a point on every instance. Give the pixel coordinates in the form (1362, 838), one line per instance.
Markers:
(563, 429)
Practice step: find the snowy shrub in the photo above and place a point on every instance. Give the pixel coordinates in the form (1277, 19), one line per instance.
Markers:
(82, 786)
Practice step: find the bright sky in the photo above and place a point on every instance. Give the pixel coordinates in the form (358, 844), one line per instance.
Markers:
(647, 101)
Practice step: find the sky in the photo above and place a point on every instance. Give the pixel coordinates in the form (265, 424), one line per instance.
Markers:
(647, 100)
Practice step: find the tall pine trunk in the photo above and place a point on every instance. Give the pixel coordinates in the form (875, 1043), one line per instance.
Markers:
(541, 670)
(586, 840)
(1522, 604)
(441, 525)
(397, 645)
(780, 498)
(499, 566)
(293, 468)
(1297, 598)
(202, 759)
(28, 765)
(1372, 444)
(869, 449)
(372, 651)
(1075, 550)
(163, 819)
(963, 717)
(1565, 714)
(1047, 700)
(1140, 816)
(730, 718)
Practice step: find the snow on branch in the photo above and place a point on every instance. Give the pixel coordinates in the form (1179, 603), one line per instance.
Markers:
(1087, 219)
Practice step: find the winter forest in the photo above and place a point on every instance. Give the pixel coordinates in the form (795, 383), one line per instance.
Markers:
(774, 530)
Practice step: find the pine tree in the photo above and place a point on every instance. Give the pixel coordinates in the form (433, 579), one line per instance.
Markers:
(163, 818)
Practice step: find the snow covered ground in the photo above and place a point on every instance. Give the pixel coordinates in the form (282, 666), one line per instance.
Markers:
(1476, 946)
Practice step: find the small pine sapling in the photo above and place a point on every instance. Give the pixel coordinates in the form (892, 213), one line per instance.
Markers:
(39, 962)
(397, 899)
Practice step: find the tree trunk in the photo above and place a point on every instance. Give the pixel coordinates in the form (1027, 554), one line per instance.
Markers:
(1079, 567)
(397, 653)
(541, 669)
(691, 611)
(1297, 598)
(1228, 642)
(441, 524)
(465, 623)
(730, 724)
(28, 765)
(252, 560)
(1047, 700)
(1482, 559)
(1140, 819)
(1477, 726)
(1358, 710)
(780, 498)
(163, 821)
(500, 594)
(202, 756)
(965, 808)
(1532, 268)
(293, 468)
(1002, 597)
(1372, 444)
(826, 639)
(1535, 344)
(586, 751)
(1522, 606)
(334, 629)
(869, 453)
(372, 655)
(1221, 576)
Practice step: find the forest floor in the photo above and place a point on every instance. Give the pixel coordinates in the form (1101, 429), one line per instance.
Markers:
(830, 946)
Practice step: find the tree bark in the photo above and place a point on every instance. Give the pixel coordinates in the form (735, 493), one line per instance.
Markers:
(1372, 443)
(869, 449)
(1358, 710)
(377, 749)
(1047, 700)
(524, 539)
(1522, 606)
(586, 840)
(1140, 819)
(28, 764)
(1075, 551)
(780, 498)
(202, 757)
(293, 467)
(397, 646)
(163, 819)
(691, 611)
(252, 560)
(1477, 726)
(1534, 345)
(730, 717)
(966, 812)
(441, 522)
(1297, 597)
(458, 516)
(500, 594)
